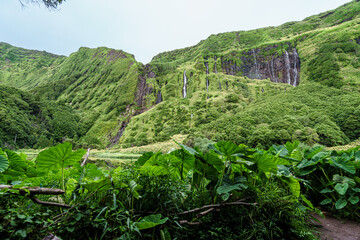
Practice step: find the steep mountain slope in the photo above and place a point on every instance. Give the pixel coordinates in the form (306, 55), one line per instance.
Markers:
(246, 86)
(24, 68)
(323, 48)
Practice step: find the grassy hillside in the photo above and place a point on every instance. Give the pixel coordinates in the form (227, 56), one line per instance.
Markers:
(234, 88)
(24, 68)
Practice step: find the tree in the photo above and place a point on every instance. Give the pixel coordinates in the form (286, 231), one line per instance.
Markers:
(52, 4)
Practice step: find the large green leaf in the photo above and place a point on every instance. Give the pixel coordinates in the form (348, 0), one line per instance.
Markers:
(353, 199)
(291, 146)
(16, 162)
(185, 159)
(188, 149)
(266, 163)
(341, 188)
(297, 154)
(4, 163)
(341, 203)
(309, 153)
(142, 160)
(151, 221)
(357, 156)
(342, 179)
(344, 164)
(326, 201)
(280, 151)
(227, 148)
(149, 170)
(98, 185)
(58, 157)
(225, 189)
(293, 185)
(214, 161)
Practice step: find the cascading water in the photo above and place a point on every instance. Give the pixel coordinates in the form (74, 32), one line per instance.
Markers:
(287, 65)
(257, 75)
(207, 84)
(185, 85)
(296, 56)
(207, 67)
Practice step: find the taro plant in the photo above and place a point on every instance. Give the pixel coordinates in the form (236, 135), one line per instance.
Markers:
(330, 177)
(58, 157)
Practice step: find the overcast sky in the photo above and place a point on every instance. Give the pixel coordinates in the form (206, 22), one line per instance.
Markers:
(143, 27)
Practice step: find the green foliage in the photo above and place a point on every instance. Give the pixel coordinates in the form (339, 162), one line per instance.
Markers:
(4, 163)
(28, 121)
(114, 203)
(58, 157)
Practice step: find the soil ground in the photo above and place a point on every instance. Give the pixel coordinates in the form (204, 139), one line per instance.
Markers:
(335, 229)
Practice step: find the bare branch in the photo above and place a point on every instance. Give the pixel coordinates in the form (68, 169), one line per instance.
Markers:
(38, 190)
(34, 190)
(217, 206)
(35, 200)
(210, 208)
(86, 157)
(51, 4)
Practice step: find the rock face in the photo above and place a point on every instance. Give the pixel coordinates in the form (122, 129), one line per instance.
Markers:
(259, 64)
(143, 88)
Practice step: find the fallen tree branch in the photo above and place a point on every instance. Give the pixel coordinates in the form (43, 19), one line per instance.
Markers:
(34, 190)
(86, 157)
(205, 213)
(189, 223)
(35, 200)
(217, 206)
(210, 208)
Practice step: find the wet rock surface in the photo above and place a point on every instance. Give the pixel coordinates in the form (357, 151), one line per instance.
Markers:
(259, 64)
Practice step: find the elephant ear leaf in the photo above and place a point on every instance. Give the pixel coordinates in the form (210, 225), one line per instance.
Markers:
(4, 163)
(151, 221)
(58, 157)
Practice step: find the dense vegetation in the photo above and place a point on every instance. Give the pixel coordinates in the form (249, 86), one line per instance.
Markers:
(28, 121)
(227, 192)
(116, 98)
(256, 182)
(309, 113)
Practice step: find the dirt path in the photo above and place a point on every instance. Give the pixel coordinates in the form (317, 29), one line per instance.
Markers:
(334, 229)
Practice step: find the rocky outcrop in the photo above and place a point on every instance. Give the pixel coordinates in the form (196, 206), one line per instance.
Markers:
(259, 64)
(115, 139)
(159, 97)
(143, 88)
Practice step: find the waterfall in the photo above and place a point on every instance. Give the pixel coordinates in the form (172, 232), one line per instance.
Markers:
(215, 67)
(220, 85)
(207, 84)
(185, 85)
(296, 56)
(207, 67)
(287, 65)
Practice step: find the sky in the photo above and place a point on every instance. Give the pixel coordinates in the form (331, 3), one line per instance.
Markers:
(143, 27)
